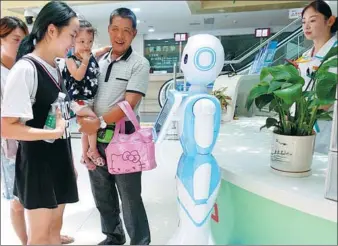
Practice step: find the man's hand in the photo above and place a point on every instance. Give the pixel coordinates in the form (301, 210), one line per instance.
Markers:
(88, 125)
(107, 48)
(101, 51)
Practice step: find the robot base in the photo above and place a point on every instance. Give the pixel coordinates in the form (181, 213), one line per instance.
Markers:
(188, 234)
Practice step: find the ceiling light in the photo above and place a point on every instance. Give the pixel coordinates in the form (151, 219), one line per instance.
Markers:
(151, 29)
(136, 9)
(138, 21)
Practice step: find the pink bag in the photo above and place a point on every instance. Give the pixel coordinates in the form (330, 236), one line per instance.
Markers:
(129, 153)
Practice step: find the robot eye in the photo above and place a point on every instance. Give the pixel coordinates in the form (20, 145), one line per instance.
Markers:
(186, 59)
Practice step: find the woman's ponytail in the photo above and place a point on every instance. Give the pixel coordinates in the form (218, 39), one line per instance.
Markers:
(27, 45)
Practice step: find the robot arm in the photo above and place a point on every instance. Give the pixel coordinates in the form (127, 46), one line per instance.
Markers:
(204, 111)
(199, 124)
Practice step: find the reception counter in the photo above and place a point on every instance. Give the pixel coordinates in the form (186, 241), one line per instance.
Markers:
(256, 206)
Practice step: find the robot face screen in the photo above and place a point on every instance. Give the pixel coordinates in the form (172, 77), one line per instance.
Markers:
(202, 59)
(205, 59)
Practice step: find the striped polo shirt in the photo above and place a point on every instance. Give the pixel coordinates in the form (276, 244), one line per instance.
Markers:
(128, 73)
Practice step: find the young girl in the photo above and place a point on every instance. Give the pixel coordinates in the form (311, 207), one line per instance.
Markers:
(45, 179)
(81, 79)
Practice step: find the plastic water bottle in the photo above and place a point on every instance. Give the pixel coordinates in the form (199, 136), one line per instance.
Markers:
(51, 118)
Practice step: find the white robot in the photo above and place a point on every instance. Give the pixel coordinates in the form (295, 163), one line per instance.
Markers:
(198, 175)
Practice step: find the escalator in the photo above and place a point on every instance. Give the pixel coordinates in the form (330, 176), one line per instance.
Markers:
(291, 45)
(246, 59)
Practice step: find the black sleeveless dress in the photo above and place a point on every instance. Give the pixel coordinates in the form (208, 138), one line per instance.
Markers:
(44, 172)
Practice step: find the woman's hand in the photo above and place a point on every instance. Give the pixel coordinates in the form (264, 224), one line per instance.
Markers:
(12, 128)
(325, 107)
(60, 125)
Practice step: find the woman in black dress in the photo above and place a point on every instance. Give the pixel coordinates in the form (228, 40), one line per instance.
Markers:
(45, 178)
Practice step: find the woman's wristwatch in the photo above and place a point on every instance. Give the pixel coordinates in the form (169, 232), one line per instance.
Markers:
(103, 124)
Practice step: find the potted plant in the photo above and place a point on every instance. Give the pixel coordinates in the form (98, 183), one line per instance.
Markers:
(298, 108)
(224, 101)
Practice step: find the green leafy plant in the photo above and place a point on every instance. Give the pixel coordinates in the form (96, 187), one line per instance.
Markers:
(281, 86)
(222, 97)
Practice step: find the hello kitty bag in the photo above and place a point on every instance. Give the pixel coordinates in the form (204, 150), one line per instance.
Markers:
(129, 153)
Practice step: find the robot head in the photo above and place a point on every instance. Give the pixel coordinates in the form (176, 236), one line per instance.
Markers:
(202, 59)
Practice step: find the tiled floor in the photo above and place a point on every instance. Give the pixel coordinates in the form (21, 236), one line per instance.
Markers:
(82, 221)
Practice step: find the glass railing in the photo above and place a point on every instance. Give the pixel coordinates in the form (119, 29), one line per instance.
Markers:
(278, 36)
(292, 49)
(248, 56)
(282, 36)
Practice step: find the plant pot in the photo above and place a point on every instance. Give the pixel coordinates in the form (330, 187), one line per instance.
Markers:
(292, 155)
(226, 116)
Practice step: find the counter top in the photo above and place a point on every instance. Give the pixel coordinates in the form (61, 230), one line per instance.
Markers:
(243, 153)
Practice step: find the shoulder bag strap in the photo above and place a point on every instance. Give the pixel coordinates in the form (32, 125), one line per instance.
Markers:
(128, 111)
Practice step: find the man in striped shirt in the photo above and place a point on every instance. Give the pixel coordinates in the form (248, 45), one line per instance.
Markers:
(124, 76)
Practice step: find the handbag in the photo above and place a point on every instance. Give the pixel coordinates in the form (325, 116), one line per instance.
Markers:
(130, 153)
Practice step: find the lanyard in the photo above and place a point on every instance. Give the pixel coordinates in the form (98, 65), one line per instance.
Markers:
(57, 83)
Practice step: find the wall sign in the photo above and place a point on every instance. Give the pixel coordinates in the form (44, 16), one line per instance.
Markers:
(295, 13)
(180, 37)
(262, 32)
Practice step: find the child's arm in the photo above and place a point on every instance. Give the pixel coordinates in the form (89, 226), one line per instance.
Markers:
(78, 73)
(101, 51)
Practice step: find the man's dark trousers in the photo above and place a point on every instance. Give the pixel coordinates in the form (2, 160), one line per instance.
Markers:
(104, 190)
